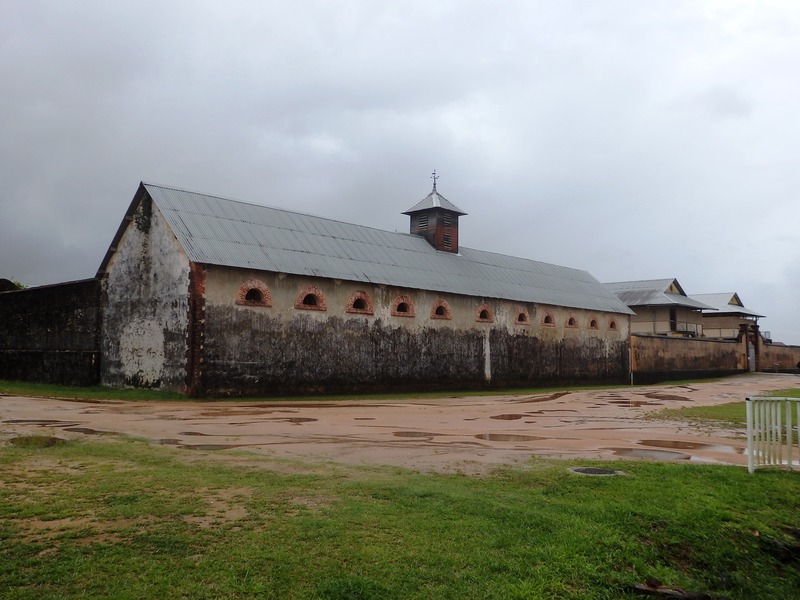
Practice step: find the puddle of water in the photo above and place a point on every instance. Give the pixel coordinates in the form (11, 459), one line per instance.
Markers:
(634, 403)
(210, 446)
(43, 422)
(651, 454)
(88, 431)
(508, 417)
(415, 434)
(297, 420)
(192, 433)
(508, 437)
(541, 399)
(364, 419)
(659, 396)
(678, 445)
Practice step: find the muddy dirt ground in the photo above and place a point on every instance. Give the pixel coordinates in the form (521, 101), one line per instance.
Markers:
(456, 434)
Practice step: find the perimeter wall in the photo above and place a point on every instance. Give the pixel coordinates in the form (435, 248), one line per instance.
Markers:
(780, 358)
(660, 358)
(51, 334)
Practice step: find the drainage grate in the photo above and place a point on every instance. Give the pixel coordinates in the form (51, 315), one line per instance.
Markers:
(594, 471)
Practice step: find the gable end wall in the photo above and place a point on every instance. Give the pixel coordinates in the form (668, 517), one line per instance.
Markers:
(146, 289)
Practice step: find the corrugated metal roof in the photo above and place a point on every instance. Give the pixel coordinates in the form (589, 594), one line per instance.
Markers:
(434, 200)
(225, 232)
(653, 292)
(725, 303)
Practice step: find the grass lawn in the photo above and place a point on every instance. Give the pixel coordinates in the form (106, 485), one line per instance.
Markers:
(123, 519)
(732, 414)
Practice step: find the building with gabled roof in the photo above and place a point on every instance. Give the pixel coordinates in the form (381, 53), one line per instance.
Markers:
(212, 295)
(727, 317)
(661, 307)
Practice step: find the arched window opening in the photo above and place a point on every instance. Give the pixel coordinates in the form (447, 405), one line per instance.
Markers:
(548, 320)
(593, 324)
(360, 303)
(571, 322)
(402, 307)
(440, 310)
(522, 317)
(310, 298)
(485, 314)
(612, 325)
(254, 293)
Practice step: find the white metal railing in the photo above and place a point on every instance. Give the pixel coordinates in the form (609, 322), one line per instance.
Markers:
(773, 437)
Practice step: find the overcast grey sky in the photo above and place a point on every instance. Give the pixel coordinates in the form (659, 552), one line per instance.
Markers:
(635, 140)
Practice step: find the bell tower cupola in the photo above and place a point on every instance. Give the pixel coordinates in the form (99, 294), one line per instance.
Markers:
(436, 219)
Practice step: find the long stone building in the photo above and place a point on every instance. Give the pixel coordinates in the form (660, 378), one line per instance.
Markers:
(215, 296)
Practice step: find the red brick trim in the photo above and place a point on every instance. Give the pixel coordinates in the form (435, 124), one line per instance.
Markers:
(254, 284)
(548, 320)
(522, 317)
(572, 322)
(403, 300)
(489, 318)
(594, 322)
(612, 325)
(441, 310)
(196, 330)
(359, 295)
(312, 290)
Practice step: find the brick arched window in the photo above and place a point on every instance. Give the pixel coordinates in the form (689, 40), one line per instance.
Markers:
(548, 320)
(254, 293)
(360, 303)
(440, 310)
(522, 318)
(612, 325)
(485, 314)
(572, 322)
(403, 307)
(593, 324)
(310, 298)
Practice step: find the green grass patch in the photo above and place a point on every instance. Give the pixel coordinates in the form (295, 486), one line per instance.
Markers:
(789, 393)
(732, 414)
(124, 519)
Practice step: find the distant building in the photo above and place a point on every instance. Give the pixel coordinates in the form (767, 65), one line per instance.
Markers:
(661, 307)
(727, 317)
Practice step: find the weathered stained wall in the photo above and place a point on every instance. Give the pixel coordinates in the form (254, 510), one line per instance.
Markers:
(145, 325)
(780, 358)
(281, 348)
(51, 334)
(655, 358)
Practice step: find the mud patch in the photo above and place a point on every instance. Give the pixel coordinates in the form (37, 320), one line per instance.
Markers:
(36, 441)
(507, 417)
(660, 396)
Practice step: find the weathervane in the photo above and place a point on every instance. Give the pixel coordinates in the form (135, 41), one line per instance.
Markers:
(434, 176)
